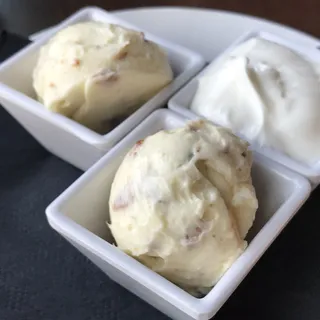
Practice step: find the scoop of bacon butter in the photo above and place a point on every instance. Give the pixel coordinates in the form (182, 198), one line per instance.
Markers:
(182, 202)
(94, 72)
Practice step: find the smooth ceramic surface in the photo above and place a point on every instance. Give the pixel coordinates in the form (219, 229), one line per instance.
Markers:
(64, 137)
(81, 212)
(181, 101)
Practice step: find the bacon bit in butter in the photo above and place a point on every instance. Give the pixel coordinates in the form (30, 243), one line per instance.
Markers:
(119, 204)
(121, 55)
(137, 146)
(196, 125)
(139, 142)
(194, 235)
(52, 85)
(112, 77)
(75, 63)
(189, 240)
(105, 75)
(198, 230)
(123, 199)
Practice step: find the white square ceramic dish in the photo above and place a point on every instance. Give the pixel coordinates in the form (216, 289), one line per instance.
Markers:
(181, 101)
(80, 213)
(65, 138)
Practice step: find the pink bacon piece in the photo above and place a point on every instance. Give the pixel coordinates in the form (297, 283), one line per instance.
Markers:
(194, 234)
(123, 199)
(136, 147)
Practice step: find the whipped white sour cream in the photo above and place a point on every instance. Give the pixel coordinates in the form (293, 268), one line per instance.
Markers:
(269, 94)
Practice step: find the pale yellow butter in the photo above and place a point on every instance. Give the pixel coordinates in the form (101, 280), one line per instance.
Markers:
(182, 202)
(94, 72)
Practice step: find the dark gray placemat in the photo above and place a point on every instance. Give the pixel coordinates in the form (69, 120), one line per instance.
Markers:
(44, 277)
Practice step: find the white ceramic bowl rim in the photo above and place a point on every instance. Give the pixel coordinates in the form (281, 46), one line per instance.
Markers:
(159, 285)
